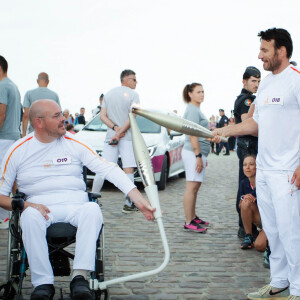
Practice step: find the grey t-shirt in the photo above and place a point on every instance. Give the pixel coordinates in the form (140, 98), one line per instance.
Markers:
(10, 96)
(118, 102)
(40, 93)
(194, 114)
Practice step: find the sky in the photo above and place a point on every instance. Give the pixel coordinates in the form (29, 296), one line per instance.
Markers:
(84, 46)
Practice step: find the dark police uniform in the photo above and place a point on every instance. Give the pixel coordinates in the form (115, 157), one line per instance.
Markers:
(246, 144)
(224, 120)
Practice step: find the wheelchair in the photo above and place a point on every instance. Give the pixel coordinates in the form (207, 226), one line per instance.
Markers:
(59, 236)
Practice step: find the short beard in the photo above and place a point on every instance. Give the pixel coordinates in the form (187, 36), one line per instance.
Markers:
(274, 64)
(53, 133)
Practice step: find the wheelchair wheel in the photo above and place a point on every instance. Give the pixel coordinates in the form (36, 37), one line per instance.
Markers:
(9, 290)
(14, 278)
(101, 295)
(14, 248)
(99, 270)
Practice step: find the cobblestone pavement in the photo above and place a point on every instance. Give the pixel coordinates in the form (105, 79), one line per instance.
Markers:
(202, 266)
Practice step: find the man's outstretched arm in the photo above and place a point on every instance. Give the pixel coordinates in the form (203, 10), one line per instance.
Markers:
(249, 126)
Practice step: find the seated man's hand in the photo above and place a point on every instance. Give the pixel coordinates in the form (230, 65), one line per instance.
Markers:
(44, 210)
(142, 204)
(296, 178)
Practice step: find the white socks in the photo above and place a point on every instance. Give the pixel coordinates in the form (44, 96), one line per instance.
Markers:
(80, 272)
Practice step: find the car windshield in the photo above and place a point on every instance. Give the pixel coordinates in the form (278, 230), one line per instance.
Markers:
(145, 125)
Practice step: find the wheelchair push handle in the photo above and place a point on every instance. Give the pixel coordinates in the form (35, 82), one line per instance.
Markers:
(17, 202)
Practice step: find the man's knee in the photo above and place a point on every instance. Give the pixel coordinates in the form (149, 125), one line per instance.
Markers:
(260, 243)
(246, 206)
(91, 210)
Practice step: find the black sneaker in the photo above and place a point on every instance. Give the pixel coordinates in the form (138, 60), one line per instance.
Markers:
(241, 232)
(226, 154)
(80, 289)
(217, 153)
(129, 209)
(247, 242)
(43, 292)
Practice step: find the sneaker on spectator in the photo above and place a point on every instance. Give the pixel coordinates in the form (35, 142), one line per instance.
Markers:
(129, 209)
(241, 232)
(267, 292)
(4, 223)
(292, 297)
(193, 226)
(200, 221)
(247, 242)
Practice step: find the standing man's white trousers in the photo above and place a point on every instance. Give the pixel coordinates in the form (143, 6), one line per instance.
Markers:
(87, 217)
(279, 206)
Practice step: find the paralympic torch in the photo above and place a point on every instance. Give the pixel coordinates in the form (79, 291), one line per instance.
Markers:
(176, 123)
(145, 168)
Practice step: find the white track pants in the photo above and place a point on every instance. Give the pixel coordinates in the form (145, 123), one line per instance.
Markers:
(87, 217)
(279, 207)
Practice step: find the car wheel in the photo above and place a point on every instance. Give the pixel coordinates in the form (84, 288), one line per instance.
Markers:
(161, 184)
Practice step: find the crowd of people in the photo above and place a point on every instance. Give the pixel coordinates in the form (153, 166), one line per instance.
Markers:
(264, 130)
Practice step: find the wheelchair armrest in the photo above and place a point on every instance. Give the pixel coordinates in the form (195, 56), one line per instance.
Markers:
(94, 195)
(17, 202)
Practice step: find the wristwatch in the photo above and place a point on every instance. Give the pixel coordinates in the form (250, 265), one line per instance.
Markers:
(198, 155)
(113, 128)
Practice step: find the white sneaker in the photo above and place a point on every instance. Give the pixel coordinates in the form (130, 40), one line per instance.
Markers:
(292, 297)
(4, 223)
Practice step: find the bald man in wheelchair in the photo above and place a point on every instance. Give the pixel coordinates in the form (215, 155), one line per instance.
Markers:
(47, 166)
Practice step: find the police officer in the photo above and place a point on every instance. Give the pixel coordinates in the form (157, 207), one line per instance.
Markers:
(222, 123)
(246, 144)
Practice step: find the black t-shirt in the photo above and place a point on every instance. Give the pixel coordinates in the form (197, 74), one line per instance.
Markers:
(242, 104)
(81, 119)
(223, 121)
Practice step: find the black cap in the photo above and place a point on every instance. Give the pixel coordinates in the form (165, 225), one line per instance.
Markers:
(221, 109)
(251, 71)
(101, 96)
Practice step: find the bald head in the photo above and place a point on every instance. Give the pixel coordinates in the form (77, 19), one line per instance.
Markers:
(41, 108)
(47, 120)
(43, 79)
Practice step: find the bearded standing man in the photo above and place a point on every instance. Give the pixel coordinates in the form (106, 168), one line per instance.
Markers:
(277, 119)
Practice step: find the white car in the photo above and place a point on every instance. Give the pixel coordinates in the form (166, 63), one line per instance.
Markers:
(164, 148)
